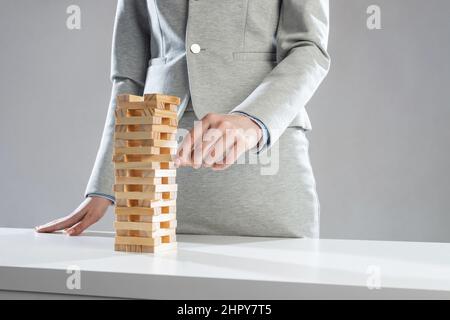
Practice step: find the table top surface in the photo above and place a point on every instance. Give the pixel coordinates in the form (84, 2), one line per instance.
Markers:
(414, 265)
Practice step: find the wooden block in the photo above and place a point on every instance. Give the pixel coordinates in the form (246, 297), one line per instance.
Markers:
(138, 195)
(120, 149)
(134, 188)
(161, 159)
(171, 151)
(141, 226)
(168, 180)
(163, 203)
(137, 216)
(128, 98)
(164, 232)
(172, 224)
(166, 205)
(136, 165)
(152, 230)
(149, 186)
(151, 173)
(169, 122)
(136, 106)
(131, 175)
(142, 135)
(140, 132)
(165, 143)
(167, 217)
(169, 209)
(137, 135)
(138, 120)
(145, 188)
(120, 247)
(150, 128)
(147, 106)
(153, 227)
(141, 211)
(138, 241)
(161, 248)
(166, 188)
(165, 173)
(162, 98)
(142, 165)
(137, 180)
(136, 150)
(169, 238)
(168, 195)
(151, 158)
(165, 114)
(120, 113)
(168, 136)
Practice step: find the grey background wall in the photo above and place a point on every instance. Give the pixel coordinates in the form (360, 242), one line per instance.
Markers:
(380, 144)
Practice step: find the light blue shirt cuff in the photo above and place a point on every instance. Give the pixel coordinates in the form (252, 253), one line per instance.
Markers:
(265, 139)
(102, 195)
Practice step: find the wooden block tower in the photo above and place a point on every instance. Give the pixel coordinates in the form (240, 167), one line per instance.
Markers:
(145, 187)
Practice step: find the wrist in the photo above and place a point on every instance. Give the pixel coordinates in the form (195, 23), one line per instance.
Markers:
(256, 127)
(263, 139)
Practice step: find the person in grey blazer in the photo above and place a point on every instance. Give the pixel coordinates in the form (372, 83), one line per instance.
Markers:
(237, 65)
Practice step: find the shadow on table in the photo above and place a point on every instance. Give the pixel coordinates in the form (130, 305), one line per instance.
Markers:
(96, 234)
(223, 240)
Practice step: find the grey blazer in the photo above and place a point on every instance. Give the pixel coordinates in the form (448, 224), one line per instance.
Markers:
(265, 58)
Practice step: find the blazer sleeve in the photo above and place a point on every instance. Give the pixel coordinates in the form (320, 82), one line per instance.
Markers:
(301, 41)
(130, 56)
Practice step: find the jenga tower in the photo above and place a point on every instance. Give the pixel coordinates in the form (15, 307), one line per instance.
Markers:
(145, 187)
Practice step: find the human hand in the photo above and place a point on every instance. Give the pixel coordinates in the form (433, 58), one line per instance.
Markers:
(91, 210)
(217, 141)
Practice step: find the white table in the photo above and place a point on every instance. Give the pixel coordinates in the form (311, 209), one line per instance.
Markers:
(216, 267)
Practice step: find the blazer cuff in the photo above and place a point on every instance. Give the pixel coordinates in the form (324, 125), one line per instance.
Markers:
(102, 195)
(265, 139)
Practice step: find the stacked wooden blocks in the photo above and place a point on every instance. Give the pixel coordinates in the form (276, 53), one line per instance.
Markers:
(145, 187)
